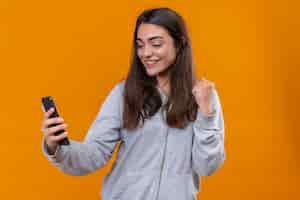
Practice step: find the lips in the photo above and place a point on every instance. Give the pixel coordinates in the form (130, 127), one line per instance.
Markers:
(151, 63)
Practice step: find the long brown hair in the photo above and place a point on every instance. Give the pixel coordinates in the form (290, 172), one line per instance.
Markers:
(141, 97)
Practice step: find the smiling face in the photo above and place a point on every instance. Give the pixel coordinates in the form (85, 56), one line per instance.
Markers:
(155, 48)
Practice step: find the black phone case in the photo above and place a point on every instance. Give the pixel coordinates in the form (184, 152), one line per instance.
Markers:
(48, 103)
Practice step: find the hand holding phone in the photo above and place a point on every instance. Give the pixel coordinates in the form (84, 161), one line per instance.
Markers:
(54, 123)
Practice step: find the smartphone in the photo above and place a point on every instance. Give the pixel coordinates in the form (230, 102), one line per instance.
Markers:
(48, 103)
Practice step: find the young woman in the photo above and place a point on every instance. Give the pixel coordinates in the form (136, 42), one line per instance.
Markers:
(170, 125)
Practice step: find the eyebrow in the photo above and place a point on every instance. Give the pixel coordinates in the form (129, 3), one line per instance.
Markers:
(151, 38)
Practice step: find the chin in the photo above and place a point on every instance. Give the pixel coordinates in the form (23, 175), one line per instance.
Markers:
(152, 72)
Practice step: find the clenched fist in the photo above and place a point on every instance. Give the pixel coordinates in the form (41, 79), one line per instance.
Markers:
(202, 92)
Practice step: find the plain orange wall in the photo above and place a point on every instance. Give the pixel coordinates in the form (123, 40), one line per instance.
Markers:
(77, 50)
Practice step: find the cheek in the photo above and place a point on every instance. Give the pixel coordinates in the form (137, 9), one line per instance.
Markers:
(169, 56)
(172, 55)
(138, 54)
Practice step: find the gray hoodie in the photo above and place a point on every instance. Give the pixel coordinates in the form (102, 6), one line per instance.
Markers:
(154, 162)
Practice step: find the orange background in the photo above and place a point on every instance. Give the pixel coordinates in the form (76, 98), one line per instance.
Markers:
(77, 51)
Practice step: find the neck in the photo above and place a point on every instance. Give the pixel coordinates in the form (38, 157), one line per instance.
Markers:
(163, 83)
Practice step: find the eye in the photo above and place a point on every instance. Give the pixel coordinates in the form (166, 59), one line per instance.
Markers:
(139, 46)
(156, 45)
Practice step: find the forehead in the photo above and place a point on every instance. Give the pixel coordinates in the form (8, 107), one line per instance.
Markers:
(148, 31)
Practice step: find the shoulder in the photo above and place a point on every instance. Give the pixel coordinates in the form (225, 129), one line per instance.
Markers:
(121, 84)
(118, 87)
(114, 97)
(116, 92)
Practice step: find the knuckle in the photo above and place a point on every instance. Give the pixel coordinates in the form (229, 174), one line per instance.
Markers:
(47, 122)
(56, 128)
(61, 136)
(59, 120)
(52, 121)
(55, 120)
(47, 115)
(51, 131)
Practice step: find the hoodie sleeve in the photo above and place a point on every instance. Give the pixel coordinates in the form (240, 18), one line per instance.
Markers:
(80, 158)
(208, 152)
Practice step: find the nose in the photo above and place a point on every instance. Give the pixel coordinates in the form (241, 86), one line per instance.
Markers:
(147, 52)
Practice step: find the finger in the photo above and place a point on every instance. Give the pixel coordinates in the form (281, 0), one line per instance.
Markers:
(204, 78)
(48, 113)
(51, 121)
(210, 84)
(206, 83)
(57, 138)
(53, 130)
(43, 130)
(43, 109)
